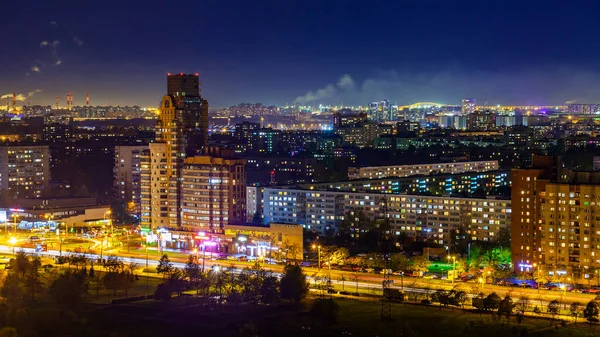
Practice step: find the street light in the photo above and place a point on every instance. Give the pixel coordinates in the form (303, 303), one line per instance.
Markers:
(13, 242)
(318, 248)
(146, 247)
(453, 267)
(15, 216)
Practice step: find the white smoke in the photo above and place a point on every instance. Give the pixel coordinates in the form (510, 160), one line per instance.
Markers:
(19, 97)
(30, 94)
(35, 69)
(344, 83)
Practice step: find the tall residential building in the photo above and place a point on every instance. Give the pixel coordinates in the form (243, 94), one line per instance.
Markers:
(24, 170)
(127, 172)
(185, 90)
(213, 192)
(469, 105)
(181, 130)
(527, 185)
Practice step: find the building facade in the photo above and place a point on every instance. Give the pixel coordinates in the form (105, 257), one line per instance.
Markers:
(24, 170)
(422, 218)
(127, 172)
(213, 193)
(420, 169)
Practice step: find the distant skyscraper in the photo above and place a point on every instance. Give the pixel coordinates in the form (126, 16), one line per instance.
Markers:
(469, 105)
(381, 111)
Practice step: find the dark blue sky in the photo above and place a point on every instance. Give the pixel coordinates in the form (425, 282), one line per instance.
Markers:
(502, 52)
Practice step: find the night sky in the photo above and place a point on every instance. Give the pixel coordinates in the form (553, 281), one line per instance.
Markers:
(309, 52)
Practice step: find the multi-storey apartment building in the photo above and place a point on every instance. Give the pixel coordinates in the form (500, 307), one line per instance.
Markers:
(127, 172)
(374, 172)
(527, 186)
(418, 217)
(436, 184)
(213, 192)
(24, 170)
(181, 130)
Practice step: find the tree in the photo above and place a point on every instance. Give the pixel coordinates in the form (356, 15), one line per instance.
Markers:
(420, 263)
(591, 312)
(460, 297)
(67, 290)
(192, 273)
(334, 255)
(553, 308)
(575, 310)
(8, 332)
(165, 267)
(491, 302)
(32, 277)
(506, 307)
(293, 284)
(400, 262)
(523, 303)
(11, 291)
(269, 290)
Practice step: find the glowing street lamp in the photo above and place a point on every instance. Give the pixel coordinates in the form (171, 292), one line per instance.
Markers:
(146, 247)
(453, 258)
(13, 242)
(318, 248)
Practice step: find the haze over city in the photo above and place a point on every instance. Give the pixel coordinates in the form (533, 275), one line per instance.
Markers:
(286, 52)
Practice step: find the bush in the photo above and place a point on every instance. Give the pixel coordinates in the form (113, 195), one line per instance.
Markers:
(325, 309)
(427, 302)
(151, 270)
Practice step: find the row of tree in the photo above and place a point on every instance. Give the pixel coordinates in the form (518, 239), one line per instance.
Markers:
(252, 285)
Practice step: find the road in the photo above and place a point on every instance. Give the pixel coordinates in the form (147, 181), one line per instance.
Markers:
(351, 279)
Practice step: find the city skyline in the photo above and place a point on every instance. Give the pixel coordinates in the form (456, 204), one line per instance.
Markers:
(334, 54)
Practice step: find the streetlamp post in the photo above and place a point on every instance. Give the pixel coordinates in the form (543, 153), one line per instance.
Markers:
(146, 247)
(13, 242)
(15, 216)
(453, 258)
(318, 248)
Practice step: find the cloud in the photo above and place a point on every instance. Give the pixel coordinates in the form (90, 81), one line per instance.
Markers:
(52, 44)
(53, 24)
(35, 69)
(346, 82)
(77, 40)
(58, 62)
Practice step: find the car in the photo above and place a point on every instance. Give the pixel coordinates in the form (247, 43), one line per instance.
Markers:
(427, 302)
(398, 273)
(34, 238)
(429, 276)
